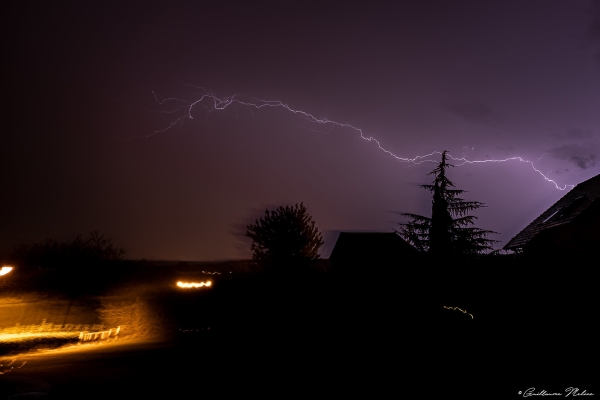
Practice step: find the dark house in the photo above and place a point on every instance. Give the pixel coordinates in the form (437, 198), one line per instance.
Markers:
(370, 251)
(570, 226)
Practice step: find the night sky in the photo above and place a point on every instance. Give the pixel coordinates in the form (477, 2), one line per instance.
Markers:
(80, 147)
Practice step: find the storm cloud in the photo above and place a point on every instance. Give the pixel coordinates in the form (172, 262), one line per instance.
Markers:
(485, 80)
(576, 134)
(593, 31)
(475, 112)
(583, 157)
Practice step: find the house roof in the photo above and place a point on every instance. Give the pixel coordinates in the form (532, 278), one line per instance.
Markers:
(358, 245)
(562, 212)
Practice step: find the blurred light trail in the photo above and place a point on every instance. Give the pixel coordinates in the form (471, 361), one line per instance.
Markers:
(210, 102)
(193, 285)
(5, 270)
(87, 336)
(459, 309)
(26, 336)
(4, 368)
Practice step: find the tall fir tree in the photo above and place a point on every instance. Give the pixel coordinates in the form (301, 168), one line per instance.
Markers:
(450, 229)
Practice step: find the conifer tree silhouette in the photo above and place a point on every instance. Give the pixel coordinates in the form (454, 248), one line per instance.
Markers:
(449, 230)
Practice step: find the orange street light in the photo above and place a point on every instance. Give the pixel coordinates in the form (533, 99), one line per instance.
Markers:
(193, 285)
(5, 270)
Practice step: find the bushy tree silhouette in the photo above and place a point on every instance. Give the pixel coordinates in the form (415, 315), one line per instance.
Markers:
(285, 238)
(449, 231)
(75, 269)
(68, 256)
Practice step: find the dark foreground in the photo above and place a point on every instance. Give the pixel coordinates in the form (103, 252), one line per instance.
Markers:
(344, 337)
(370, 366)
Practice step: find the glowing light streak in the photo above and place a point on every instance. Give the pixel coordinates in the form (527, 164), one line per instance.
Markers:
(51, 328)
(88, 336)
(5, 270)
(459, 309)
(67, 337)
(11, 367)
(20, 337)
(218, 104)
(193, 285)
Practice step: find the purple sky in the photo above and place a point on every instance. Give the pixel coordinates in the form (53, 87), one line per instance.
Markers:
(482, 79)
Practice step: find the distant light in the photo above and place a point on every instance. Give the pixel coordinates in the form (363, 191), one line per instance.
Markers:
(193, 285)
(459, 309)
(5, 270)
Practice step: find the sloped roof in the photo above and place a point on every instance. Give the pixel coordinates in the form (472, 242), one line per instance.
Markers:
(359, 245)
(562, 212)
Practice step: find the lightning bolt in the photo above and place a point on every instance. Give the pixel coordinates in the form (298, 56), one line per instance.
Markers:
(520, 159)
(211, 103)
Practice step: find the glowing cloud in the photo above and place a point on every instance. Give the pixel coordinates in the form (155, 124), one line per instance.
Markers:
(5, 270)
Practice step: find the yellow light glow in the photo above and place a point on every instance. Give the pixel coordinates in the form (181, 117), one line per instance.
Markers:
(87, 336)
(5, 270)
(193, 285)
(20, 337)
(459, 309)
(4, 368)
(69, 337)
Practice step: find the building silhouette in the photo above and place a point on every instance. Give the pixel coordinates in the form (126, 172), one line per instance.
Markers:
(570, 226)
(370, 252)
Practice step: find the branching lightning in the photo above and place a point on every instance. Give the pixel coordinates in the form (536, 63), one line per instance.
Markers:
(210, 102)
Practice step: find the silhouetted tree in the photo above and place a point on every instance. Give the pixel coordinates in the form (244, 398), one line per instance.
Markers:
(285, 237)
(75, 268)
(449, 231)
(68, 256)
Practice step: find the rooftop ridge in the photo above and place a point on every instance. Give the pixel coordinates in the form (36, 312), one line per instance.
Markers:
(562, 212)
